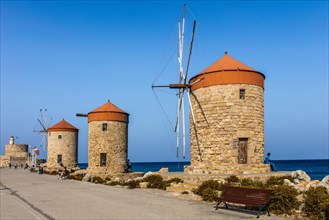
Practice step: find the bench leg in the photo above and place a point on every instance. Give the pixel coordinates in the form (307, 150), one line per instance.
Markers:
(258, 214)
(259, 211)
(217, 206)
(268, 211)
(263, 208)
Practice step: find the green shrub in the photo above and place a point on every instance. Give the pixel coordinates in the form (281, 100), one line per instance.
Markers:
(277, 180)
(316, 203)
(208, 190)
(152, 178)
(252, 183)
(155, 181)
(209, 194)
(174, 180)
(326, 211)
(78, 177)
(232, 179)
(133, 184)
(284, 200)
(114, 183)
(98, 180)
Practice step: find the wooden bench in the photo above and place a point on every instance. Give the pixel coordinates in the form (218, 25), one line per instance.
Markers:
(247, 196)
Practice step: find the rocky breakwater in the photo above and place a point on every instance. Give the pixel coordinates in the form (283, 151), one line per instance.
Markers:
(302, 182)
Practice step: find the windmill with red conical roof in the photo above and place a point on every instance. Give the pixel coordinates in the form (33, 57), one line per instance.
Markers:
(62, 145)
(228, 133)
(107, 139)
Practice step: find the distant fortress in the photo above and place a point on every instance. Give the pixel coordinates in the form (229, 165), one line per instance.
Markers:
(226, 138)
(14, 154)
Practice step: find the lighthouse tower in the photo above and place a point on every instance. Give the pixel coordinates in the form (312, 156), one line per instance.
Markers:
(62, 145)
(107, 140)
(227, 137)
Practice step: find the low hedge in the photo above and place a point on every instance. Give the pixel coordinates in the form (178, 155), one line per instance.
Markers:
(316, 203)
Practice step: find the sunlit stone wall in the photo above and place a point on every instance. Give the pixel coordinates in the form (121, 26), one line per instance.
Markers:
(222, 119)
(113, 142)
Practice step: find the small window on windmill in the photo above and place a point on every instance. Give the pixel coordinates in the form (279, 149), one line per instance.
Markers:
(59, 136)
(242, 93)
(102, 161)
(104, 127)
(59, 158)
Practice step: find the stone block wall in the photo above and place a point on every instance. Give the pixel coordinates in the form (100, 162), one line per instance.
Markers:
(222, 118)
(4, 161)
(67, 146)
(17, 150)
(113, 142)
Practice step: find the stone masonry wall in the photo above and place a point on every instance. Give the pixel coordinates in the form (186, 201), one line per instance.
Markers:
(67, 146)
(16, 150)
(4, 161)
(113, 142)
(221, 119)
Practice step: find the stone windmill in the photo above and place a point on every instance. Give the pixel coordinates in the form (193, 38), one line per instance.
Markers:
(62, 145)
(226, 115)
(107, 139)
(228, 102)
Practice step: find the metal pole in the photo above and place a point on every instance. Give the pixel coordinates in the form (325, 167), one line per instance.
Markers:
(183, 117)
(177, 128)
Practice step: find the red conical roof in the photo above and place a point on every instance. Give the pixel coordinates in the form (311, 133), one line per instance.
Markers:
(62, 126)
(227, 70)
(107, 107)
(108, 112)
(227, 63)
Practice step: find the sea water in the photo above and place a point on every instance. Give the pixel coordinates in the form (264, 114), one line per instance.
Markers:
(316, 169)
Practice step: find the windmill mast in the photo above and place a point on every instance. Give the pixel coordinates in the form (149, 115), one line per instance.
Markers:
(44, 122)
(181, 32)
(182, 86)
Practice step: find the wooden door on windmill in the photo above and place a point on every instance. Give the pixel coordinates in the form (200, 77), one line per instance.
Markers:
(242, 150)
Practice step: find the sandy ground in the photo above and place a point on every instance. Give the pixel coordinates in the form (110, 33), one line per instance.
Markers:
(25, 195)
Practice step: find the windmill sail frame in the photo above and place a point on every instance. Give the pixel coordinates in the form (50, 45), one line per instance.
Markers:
(45, 123)
(182, 86)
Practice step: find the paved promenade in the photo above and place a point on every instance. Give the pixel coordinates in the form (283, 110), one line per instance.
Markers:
(25, 195)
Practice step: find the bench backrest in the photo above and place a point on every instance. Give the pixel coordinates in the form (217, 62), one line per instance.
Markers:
(247, 196)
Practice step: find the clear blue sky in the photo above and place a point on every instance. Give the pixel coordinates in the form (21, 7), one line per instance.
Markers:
(72, 56)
